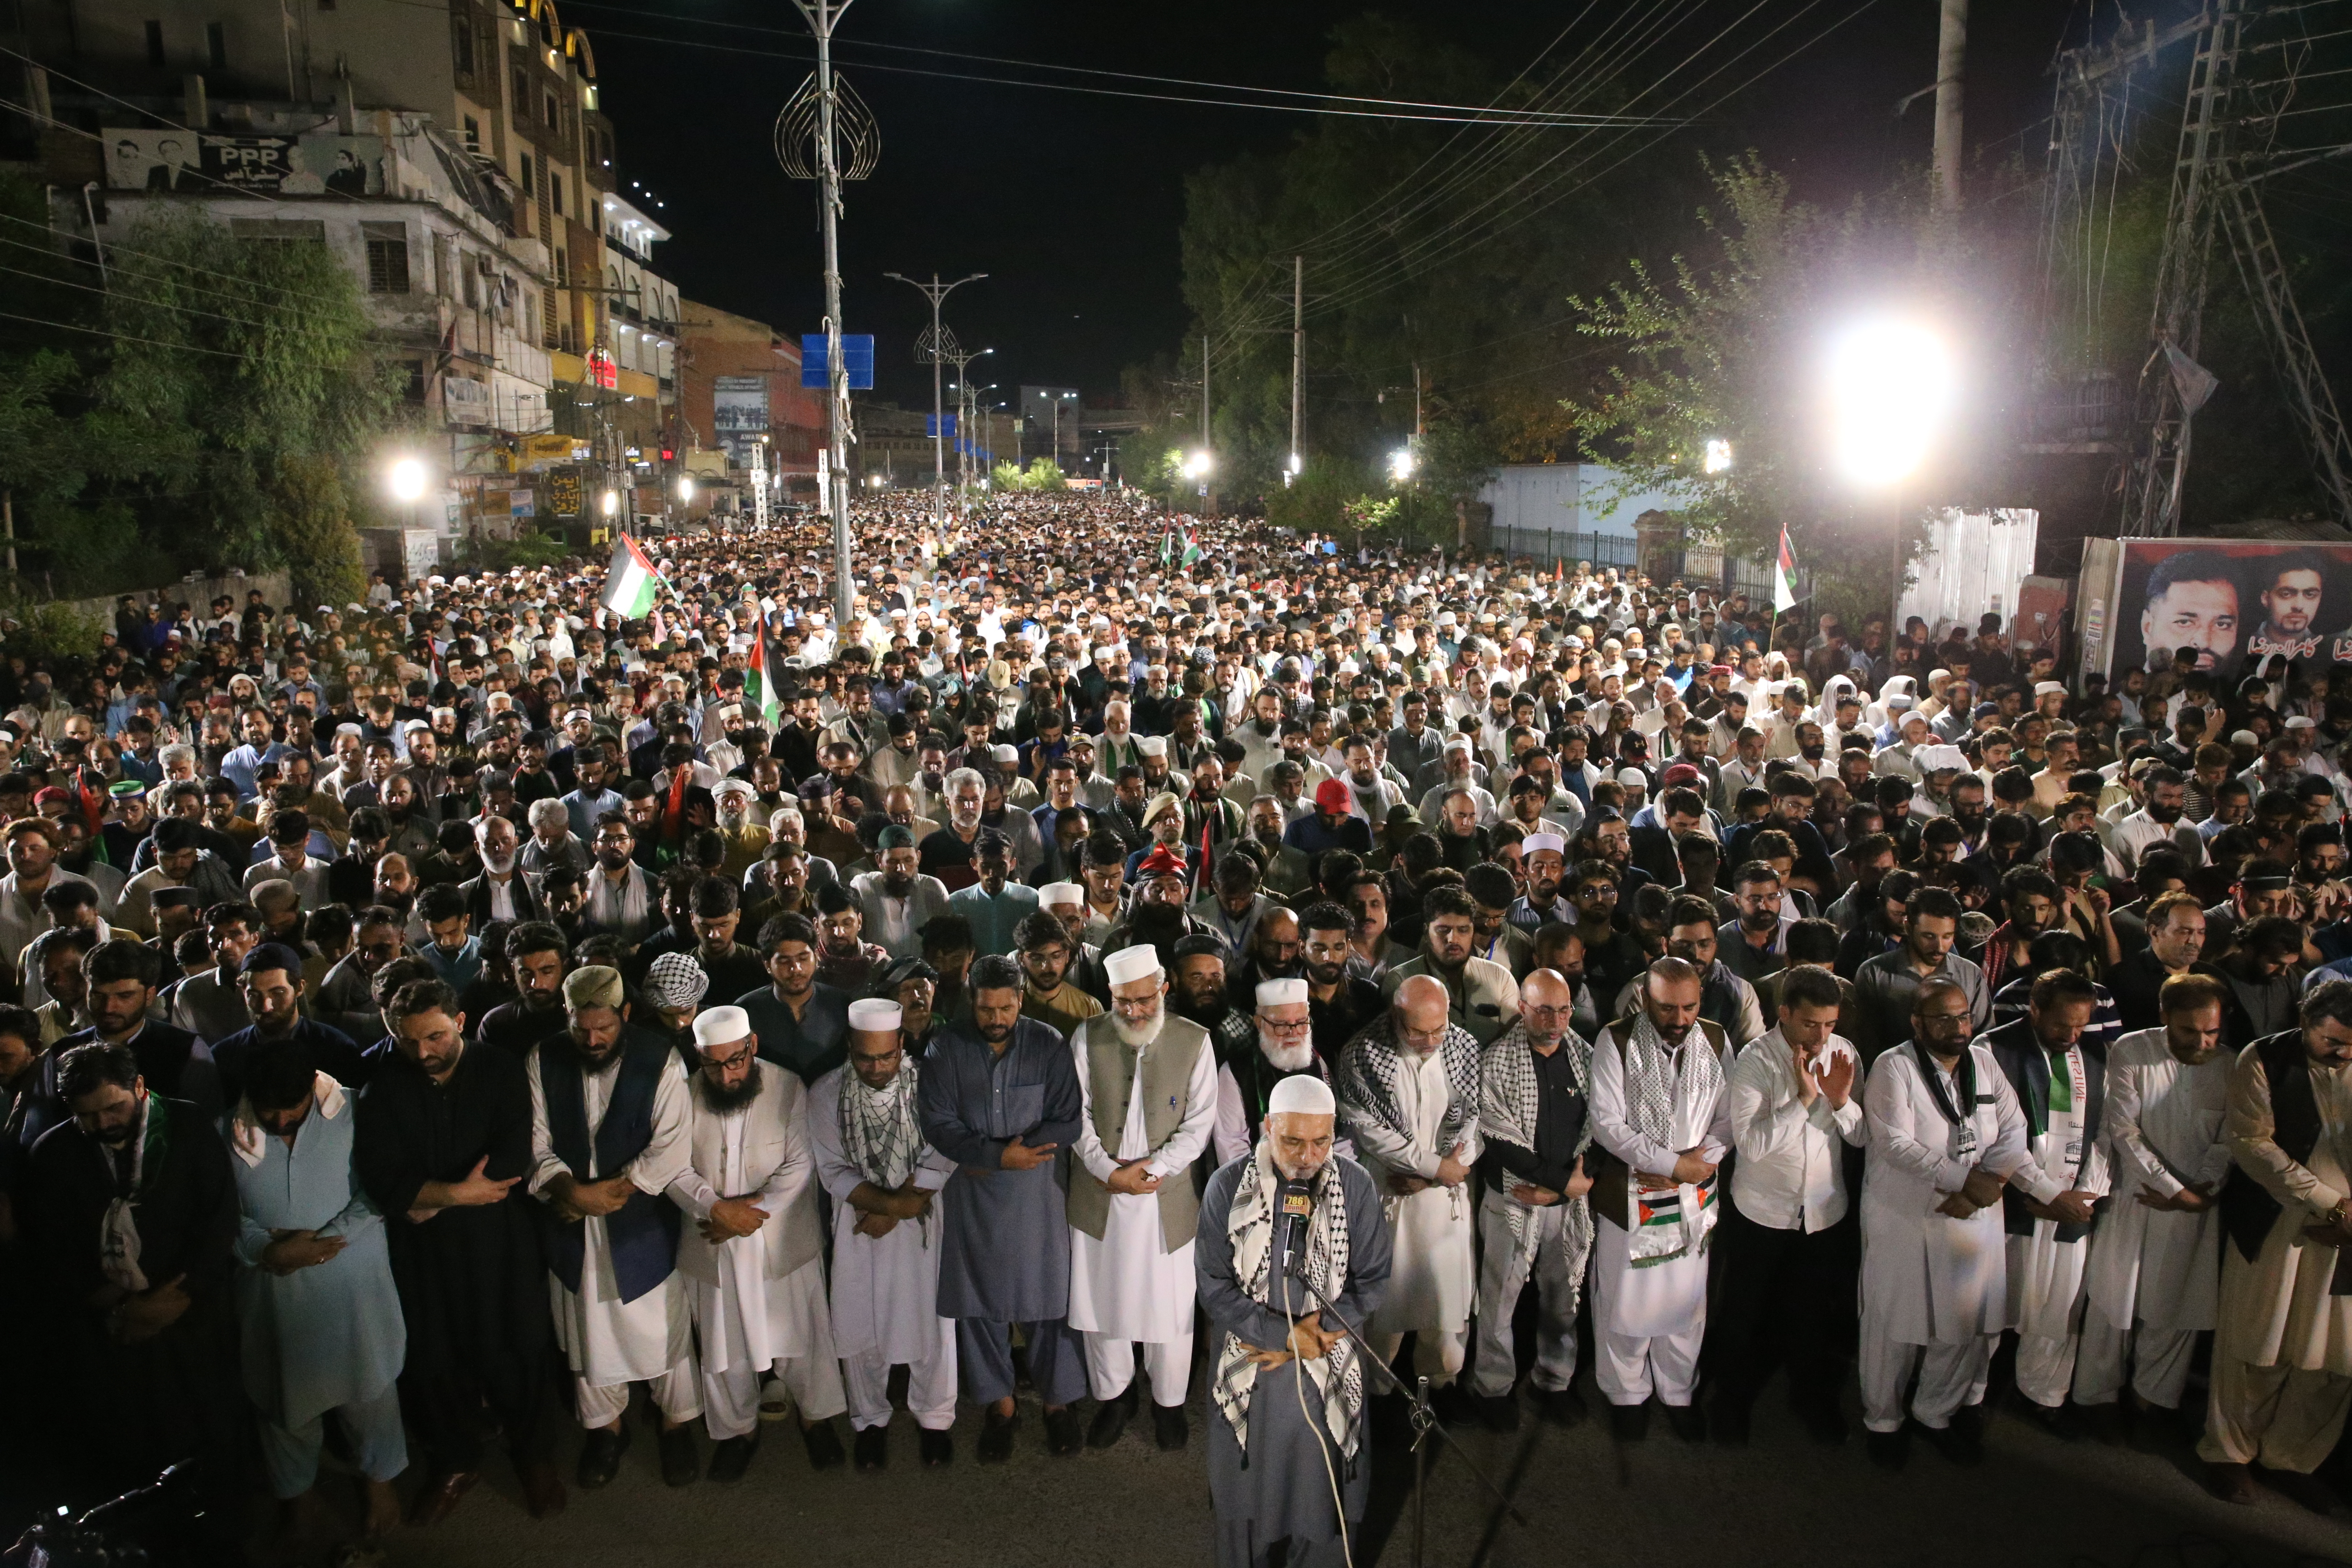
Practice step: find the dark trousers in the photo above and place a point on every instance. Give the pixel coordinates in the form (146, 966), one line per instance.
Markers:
(450, 1412)
(1784, 1294)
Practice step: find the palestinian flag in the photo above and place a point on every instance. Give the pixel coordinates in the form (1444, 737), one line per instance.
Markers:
(760, 704)
(630, 581)
(1784, 578)
(1168, 547)
(1191, 548)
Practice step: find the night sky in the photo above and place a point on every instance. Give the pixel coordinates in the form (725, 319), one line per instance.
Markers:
(1072, 202)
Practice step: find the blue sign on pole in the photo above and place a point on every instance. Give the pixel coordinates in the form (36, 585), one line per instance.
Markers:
(938, 424)
(856, 356)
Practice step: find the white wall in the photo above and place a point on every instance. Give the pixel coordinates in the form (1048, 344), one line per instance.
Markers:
(1566, 498)
(1975, 562)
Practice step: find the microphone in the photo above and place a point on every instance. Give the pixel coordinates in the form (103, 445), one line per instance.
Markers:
(1296, 1205)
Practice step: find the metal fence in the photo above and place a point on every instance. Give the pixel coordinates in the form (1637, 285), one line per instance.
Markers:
(1543, 547)
(1696, 568)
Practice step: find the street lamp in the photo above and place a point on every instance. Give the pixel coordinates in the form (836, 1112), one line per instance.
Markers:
(685, 489)
(609, 503)
(1718, 458)
(1401, 464)
(406, 480)
(1891, 388)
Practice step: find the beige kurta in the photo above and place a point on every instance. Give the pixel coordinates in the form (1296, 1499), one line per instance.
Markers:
(2277, 1310)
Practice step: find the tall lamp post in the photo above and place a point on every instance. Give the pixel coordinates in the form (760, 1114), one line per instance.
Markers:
(937, 347)
(1891, 387)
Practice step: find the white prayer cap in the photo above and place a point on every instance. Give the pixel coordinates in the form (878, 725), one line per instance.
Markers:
(2045, 688)
(1632, 778)
(869, 1015)
(347, 730)
(1281, 993)
(720, 1027)
(1940, 759)
(2245, 738)
(1915, 717)
(2301, 721)
(1301, 1094)
(732, 786)
(1536, 843)
(1151, 745)
(1458, 743)
(1005, 754)
(1054, 893)
(1130, 963)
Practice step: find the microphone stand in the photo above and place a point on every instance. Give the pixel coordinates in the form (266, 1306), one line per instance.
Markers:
(1423, 1415)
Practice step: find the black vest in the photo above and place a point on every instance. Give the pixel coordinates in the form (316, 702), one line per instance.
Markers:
(2026, 1065)
(643, 1231)
(2247, 1210)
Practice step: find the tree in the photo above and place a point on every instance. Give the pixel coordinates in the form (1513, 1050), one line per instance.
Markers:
(1731, 348)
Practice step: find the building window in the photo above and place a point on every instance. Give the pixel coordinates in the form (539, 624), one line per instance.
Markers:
(555, 189)
(387, 256)
(525, 171)
(547, 109)
(472, 134)
(521, 92)
(461, 44)
(155, 44)
(279, 230)
(217, 45)
(562, 270)
(415, 391)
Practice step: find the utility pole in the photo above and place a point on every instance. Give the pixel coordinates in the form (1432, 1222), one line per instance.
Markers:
(937, 347)
(1204, 417)
(1297, 351)
(1951, 59)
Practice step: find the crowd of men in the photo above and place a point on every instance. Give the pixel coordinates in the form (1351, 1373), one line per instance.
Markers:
(437, 1018)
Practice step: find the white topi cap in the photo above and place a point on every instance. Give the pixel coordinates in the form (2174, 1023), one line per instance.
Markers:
(1280, 993)
(1130, 963)
(871, 1016)
(719, 1026)
(1301, 1094)
(1054, 893)
(1536, 843)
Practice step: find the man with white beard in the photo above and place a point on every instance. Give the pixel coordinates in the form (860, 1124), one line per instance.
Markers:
(881, 1175)
(1661, 1121)
(1247, 1081)
(1409, 1097)
(1147, 1087)
(1946, 1138)
(609, 1107)
(2061, 1083)
(754, 1274)
(2154, 1283)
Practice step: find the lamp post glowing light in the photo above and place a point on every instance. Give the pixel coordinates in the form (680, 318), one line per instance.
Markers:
(407, 480)
(1718, 458)
(609, 502)
(685, 491)
(1401, 464)
(1891, 388)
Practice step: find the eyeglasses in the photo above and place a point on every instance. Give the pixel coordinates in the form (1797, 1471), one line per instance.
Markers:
(1278, 1026)
(729, 1064)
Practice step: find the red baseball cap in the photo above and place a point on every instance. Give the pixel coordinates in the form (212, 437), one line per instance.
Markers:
(1332, 795)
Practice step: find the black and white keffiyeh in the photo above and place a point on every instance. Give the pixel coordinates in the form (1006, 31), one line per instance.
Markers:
(1510, 1103)
(878, 1133)
(1671, 1089)
(1372, 1065)
(1337, 1376)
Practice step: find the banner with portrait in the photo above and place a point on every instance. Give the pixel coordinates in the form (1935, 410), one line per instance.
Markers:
(2231, 602)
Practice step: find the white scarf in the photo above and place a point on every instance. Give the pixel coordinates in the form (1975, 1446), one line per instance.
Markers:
(118, 1228)
(249, 1141)
(1671, 1091)
(1338, 1379)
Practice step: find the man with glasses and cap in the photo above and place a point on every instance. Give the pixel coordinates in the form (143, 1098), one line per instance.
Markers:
(1285, 1047)
(1148, 1093)
(751, 1254)
(883, 1178)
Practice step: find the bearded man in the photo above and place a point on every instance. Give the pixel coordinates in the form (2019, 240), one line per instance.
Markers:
(754, 1276)
(1148, 1093)
(609, 1124)
(1289, 1430)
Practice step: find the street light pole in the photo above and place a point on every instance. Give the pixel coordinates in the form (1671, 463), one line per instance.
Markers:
(939, 348)
(821, 15)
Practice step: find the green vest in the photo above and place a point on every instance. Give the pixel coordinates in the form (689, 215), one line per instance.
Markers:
(1165, 1081)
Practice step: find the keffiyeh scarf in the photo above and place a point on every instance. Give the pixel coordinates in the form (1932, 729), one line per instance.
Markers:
(1508, 1106)
(1372, 1066)
(877, 1127)
(118, 1228)
(1671, 1089)
(1338, 1377)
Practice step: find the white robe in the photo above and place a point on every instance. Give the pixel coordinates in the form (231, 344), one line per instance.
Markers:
(884, 1287)
(1927, 1278)
(1129, 1286)
(748, 1320)
(2164, 1130)
(610, 1341)
(1434, 1282)
(2045, 1274)
(1657, 1299)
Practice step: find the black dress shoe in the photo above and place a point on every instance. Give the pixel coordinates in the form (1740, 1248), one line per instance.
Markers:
(1062, 1434)
(1962, 1442)
(996, 1437)
(731, 1457)
(542, 1488)
(2060, 1421)
(823, 1445)
(681, 1461)
(1170, 1429)
(600, 1455)
(1452, 1403)
(872, 1448)
(1629, 1423)
(2232, 1483)
(443, 1493)
(1500, 1412)
(1110, 1419)
(1688, 1422)
(937, 1448)
(1560, 1407)
(1889, 1450)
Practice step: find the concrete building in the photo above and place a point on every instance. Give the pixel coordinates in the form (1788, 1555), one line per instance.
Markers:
(739, 383)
